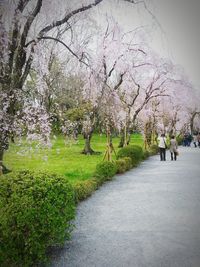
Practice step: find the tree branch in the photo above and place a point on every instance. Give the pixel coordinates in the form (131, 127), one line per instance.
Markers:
(61, 42)
(148, 10)
(119, 82)
(27, 68)
(29, 21)
(67, 17)
(15, 32)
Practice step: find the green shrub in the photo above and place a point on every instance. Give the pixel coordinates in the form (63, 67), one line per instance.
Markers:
(36, 210)
(121, 165)
(134, 152)
(105, 170)
(84, 189)
(128, 163)
(154, 149)
(179, 140)
(146, 154)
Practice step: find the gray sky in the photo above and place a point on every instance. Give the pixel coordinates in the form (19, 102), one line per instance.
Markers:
(180, 21)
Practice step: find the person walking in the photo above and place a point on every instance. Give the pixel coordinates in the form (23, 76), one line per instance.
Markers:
(198, 139)
(173, 148)
(195, 140)
(185, 139)
(162, 146)
(189, 139)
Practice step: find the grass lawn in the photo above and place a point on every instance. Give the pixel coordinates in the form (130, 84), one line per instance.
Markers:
(63, 158)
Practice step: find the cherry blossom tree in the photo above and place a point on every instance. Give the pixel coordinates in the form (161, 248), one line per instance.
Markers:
(24, 23)
(20, 31)
(193, 110)
(183, 105)
(109, 67)
(176, 113)
(144, 84)
(149, 120)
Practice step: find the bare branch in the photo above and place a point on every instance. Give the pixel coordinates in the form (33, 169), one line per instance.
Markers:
(27, 68)
(15, 32)
(29, 21)
(104, 68)
(67, 17)
(22, 4)
(61, 42)
(120, 81)
(136, 96)
(142, 64)
(113, 67)
(157, 95)
(148, 10)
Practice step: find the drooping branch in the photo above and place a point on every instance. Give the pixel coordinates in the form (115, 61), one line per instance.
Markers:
(157, 95)
(61, 42)
(67, 17)
(148, 10)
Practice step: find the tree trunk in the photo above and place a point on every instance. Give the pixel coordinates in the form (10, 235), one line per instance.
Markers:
(121, 142)
(87, 149)
(192, 123)
(109, 147)
(125, 136)
(3, 169)
(149, 136)
(124, 141)
(1, 161)
(4, 144)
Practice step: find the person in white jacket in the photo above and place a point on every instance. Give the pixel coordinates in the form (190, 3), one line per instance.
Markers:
(162, 146)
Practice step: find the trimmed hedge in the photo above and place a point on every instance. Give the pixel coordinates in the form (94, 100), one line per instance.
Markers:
(105, 170)
(36, 210)
(128, 163)
(121, 165)
(134, 152)
(146, 154)
(154, 149)
(84, 189)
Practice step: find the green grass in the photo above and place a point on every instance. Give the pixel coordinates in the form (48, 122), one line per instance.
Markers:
(62, 158)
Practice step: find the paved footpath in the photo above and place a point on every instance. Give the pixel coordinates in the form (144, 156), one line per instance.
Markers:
(148, 217)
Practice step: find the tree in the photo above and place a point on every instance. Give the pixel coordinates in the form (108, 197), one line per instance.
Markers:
(109, 66)
(21, 29)
(144, 84)
(17, 55)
